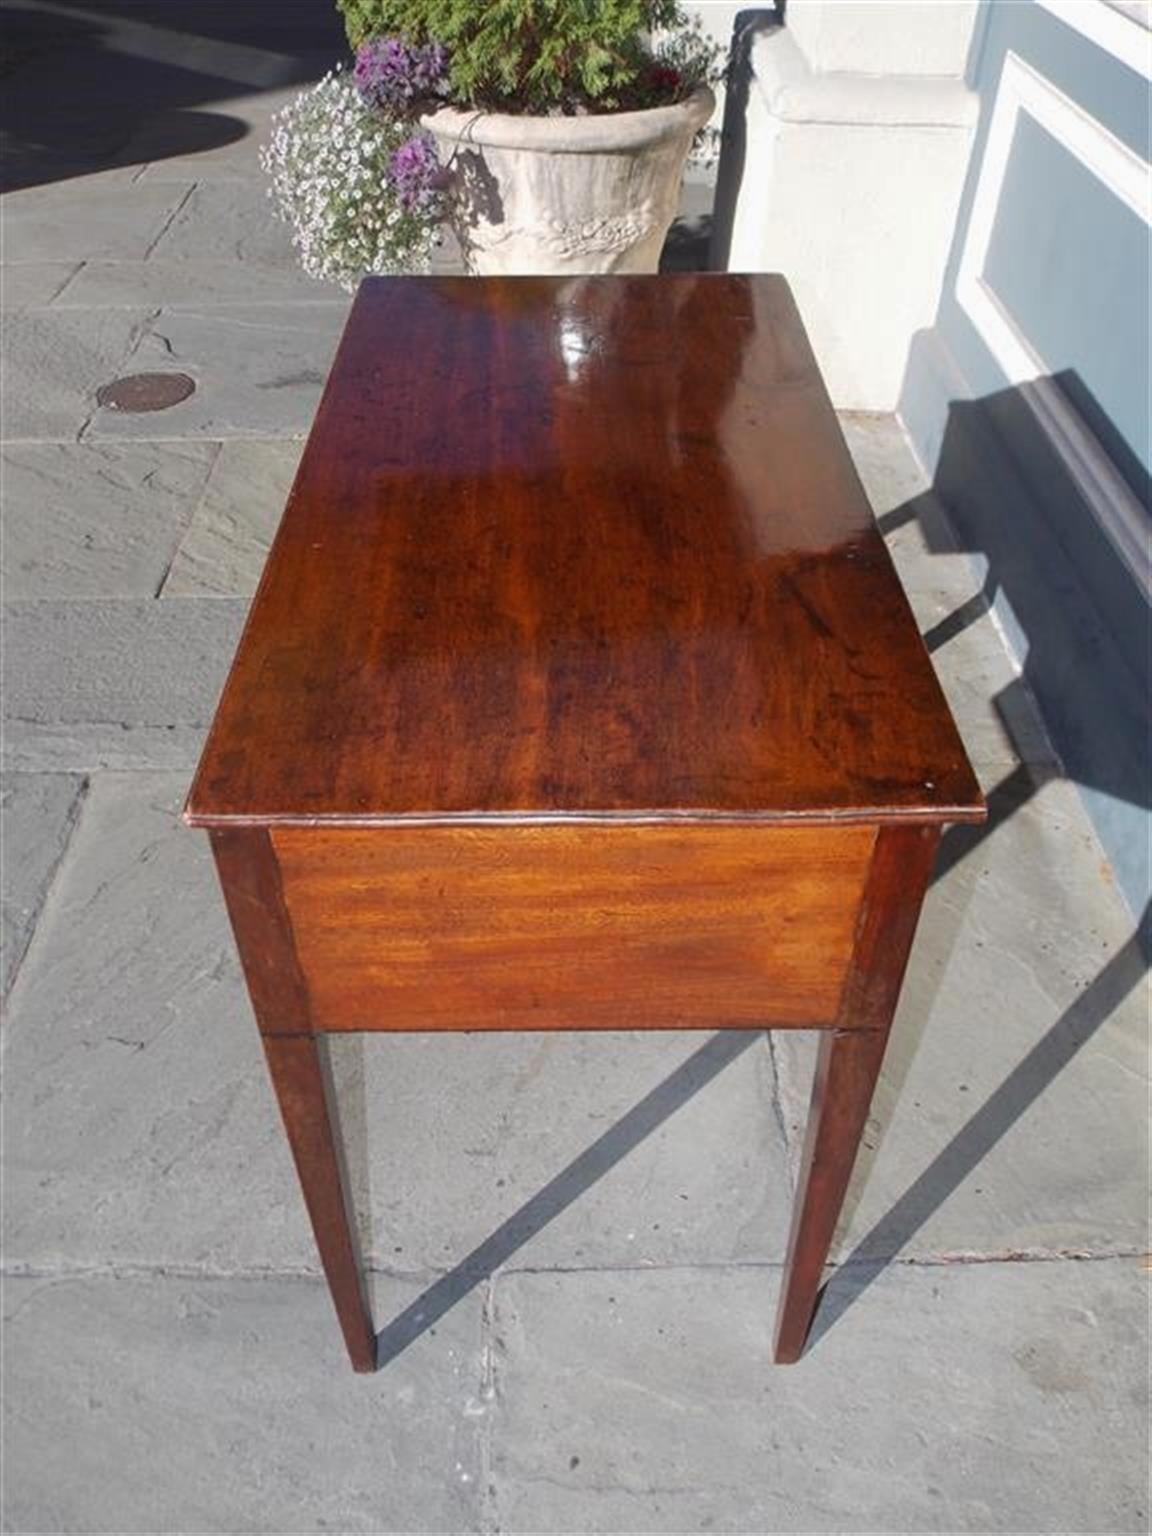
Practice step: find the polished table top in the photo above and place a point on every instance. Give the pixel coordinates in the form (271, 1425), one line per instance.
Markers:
(592, 548)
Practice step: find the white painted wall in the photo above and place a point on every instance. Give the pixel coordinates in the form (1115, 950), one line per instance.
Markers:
(717, 20)
(883, 37)
(1027, 397)
(857, 135)
(717, 17)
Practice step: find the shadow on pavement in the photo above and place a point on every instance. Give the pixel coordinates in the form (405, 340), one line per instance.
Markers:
(1013, 1098)
(95, 85)
(951, 1166)
(562, 1191)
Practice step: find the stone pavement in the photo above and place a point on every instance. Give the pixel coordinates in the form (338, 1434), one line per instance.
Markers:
(575, 1241)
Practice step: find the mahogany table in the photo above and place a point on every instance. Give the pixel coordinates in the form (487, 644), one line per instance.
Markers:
(579, 693)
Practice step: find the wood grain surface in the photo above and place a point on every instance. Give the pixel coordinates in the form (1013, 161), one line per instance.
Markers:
(573, 927)
(592, 547)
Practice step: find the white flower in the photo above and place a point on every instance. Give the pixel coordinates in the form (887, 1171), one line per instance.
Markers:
(327, 159)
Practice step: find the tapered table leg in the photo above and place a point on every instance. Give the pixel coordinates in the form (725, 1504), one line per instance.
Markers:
(847, 1068)
(298, 1062)
(300, 1075)
(846, 1071)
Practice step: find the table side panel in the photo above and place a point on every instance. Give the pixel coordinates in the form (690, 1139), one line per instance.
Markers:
(574, 927)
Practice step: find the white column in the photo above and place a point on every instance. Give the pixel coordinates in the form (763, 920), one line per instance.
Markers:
(856, 137)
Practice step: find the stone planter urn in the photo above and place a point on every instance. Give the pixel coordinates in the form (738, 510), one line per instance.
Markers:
(566, 195)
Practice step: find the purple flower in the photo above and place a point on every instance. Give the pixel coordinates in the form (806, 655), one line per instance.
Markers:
(395, 76)
(415, 173)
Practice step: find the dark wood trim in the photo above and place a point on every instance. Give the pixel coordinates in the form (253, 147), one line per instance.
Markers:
(868, 816)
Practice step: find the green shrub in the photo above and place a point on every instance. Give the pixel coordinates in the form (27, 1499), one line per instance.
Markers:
(545, 55)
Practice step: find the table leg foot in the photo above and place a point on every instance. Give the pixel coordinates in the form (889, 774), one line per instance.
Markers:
(299, 1068)
(846, 1072)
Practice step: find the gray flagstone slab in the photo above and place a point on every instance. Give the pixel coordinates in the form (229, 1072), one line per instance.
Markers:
(169, 1404)
(54, 361)
(113, 683)
(230, 220)
(97, 519)
(224, 550)
(259, 372)
(28, 284)
(37, 814)
(64, 221)
(973, 1398)
(185, 284)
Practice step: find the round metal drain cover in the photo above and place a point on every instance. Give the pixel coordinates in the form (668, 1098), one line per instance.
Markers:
(145, 392)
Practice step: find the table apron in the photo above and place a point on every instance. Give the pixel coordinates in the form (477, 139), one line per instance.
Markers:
(570, 927)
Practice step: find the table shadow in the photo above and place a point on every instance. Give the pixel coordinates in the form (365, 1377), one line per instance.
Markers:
(562, 1191)
(1050, 1055)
